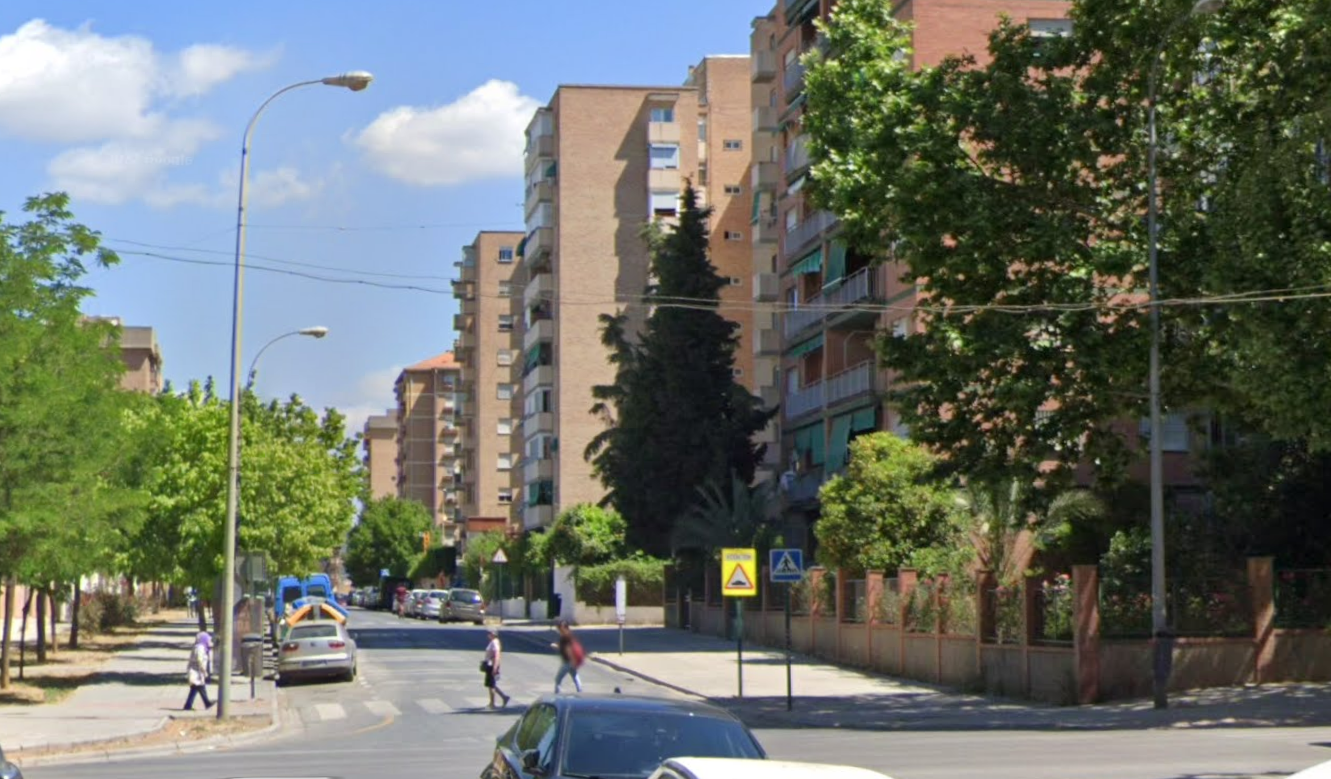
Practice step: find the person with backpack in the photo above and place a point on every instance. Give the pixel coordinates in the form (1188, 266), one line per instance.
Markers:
(572, 654)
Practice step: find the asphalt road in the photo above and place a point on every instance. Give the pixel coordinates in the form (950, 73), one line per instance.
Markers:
(418, 710)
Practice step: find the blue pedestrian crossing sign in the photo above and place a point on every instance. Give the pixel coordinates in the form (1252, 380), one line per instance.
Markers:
(786, 565)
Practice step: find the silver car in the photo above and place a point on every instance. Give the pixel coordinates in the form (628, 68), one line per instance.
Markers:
(414, 600)
(433, 604)
(464, 605)
(317, 649)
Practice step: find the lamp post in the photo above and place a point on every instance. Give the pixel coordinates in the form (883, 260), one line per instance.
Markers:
(309, 332)
(355, 81)
(1162, 645)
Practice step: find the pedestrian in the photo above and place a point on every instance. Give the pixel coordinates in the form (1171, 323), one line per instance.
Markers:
(200, 658)
(494, 657)
(571, 654)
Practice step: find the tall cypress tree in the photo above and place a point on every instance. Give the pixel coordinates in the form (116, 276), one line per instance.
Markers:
(677, 419)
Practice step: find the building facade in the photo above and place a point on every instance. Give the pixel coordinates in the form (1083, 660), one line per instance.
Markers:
(601, 162)
(489, 351)
(427, 446)
(817, 355)
(379, 440)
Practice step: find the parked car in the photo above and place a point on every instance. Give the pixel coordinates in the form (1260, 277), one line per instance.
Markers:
(317, 649)
(729, 768)
(433, 604)
(7, 769)
(414, 600)
(463, 605)
(623, 736)
(1319, 771)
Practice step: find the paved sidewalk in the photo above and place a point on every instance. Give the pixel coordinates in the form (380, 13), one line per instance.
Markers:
(829, 696)
(137, 692)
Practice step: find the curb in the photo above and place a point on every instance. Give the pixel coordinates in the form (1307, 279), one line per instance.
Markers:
(597, 658)
(52, 756)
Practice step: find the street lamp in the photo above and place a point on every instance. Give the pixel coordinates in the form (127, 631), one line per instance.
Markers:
(355, 81)
(1162, 645)
(310, 332)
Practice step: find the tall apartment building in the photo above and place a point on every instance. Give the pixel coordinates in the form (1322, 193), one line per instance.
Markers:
(427, 433)
(379, 440)
(489, 352)
(819, 359)
(602, 161)
(141, 355)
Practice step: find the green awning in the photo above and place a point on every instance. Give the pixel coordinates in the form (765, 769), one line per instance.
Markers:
(757, 207)
(836, 264)
(811, 345)
(840, 444)
(551, 169)
(522, 245)
(817, 451)
(802, 441)
(810, 263)
(864, 420)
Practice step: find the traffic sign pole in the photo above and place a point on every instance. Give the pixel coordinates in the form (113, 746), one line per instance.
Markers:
(739, 646)
(789, 700)
(786, 566)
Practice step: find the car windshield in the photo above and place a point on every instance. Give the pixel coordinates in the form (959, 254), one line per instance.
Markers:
(438, 594)
(290, 594)
(316, 591)
(631, 744)
(314, 631)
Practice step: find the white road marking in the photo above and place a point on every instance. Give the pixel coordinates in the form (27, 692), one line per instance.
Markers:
(432, 705)
(382, 708)
(330, 711)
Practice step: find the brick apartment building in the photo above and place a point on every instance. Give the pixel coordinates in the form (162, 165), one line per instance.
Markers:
(427, 448)
(602, 161)
(379, 440)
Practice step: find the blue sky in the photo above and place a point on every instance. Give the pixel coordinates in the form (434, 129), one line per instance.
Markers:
(137, 110)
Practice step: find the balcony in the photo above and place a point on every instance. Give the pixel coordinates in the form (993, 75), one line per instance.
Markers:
(467, 339)
(763, 176)
(663, 132)
(540, 242)
(793, 81)
(542, 192)
(766, 287)
(804, 488)
(767, 342)
(849, 383)
(765, 119)
(765, 230)
(768, 435)
(855, 288)
(663, 180)
(538, 331)
(800, 319)
(537, 470)
(801, 236)
(543, 422)
(537, 516)
(538, 147)
(540, 287)
(541, 376)
(464, 289)
(762, 66)
(804, 400)
(797, 157)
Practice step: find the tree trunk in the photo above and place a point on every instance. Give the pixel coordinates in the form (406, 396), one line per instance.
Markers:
(41, 625)
(6, 640)
(23, 633)
(55, 616)
(202, 607)
(74, 614)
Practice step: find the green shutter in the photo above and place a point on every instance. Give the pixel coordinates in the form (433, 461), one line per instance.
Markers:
(864, 420)
(811, 345)
(551, 169)
(817, 447)
(801, 442)
(522, 245)
(757, 207)
(836, 264)
(810, 263)
(837, 451)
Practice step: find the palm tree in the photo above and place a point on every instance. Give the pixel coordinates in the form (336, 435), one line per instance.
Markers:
(1002, 524)
(718, 520)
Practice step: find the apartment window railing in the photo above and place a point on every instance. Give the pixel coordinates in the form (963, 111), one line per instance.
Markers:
(800, 319)
(801, 235)
(804, 400)
(793, 80)
(797, 155)
(847, 384)
(854, 288)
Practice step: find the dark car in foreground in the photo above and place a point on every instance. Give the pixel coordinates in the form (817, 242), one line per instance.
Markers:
(614, 737)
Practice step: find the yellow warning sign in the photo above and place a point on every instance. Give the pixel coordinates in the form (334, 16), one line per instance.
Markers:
(739, 573)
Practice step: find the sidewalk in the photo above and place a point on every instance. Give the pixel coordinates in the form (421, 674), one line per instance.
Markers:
(137, 692)
(826, 696)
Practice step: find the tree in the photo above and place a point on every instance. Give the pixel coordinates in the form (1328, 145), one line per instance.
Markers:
(1011, 192)
(387, 536)
(584, 534)
(676, 417)
(739, 517)
(886, 507)
(58, 388)
(1000, 520)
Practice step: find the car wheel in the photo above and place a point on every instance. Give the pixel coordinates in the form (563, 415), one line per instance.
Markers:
(350, 676)
(280, 682)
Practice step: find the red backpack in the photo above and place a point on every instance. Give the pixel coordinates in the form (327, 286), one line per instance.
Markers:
(576, 652)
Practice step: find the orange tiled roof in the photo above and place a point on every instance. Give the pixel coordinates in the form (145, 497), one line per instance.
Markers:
(444, 360)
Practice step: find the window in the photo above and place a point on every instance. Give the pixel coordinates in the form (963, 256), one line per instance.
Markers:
(737, 372)
(1175, 436)
(539, 402)
(731, 235)
(665, 156)
(793, 380)
(734, 189)
(899, 328)
(541, 493)
(505, 254)
(541, 447)
(505, 289)
(505, 323)
(504, 357)
(505, 496)
(663, 114)
(505, 426)
(792, 219)
(1051, 28)
(665, 203)
(736, 281)
(505, 462)
(702, 129)
(504, 391)
(732, 145)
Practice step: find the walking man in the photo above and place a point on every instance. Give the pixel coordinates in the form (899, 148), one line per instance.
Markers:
(571, 654)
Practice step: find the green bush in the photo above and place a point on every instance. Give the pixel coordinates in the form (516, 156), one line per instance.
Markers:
(102, 612)
(645, 577)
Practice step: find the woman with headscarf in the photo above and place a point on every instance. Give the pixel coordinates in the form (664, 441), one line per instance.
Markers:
(200, 658)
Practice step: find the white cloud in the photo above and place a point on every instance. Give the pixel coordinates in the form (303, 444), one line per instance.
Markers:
(115, 96)
(372, 395)
(267, 188)
(478, 136)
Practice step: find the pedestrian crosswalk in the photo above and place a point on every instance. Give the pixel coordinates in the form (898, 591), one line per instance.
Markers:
(333, 712)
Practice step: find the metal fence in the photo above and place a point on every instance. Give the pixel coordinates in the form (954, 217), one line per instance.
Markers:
(1303, 598)
(1053, 613)
(855, 601)
(889, 605)
(1003, 608)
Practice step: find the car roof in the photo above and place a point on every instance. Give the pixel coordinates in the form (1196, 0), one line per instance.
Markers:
(634, 704)
(737, 768)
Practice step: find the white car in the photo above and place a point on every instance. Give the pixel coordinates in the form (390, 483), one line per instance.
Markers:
(1319, 771)
(728, 768)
